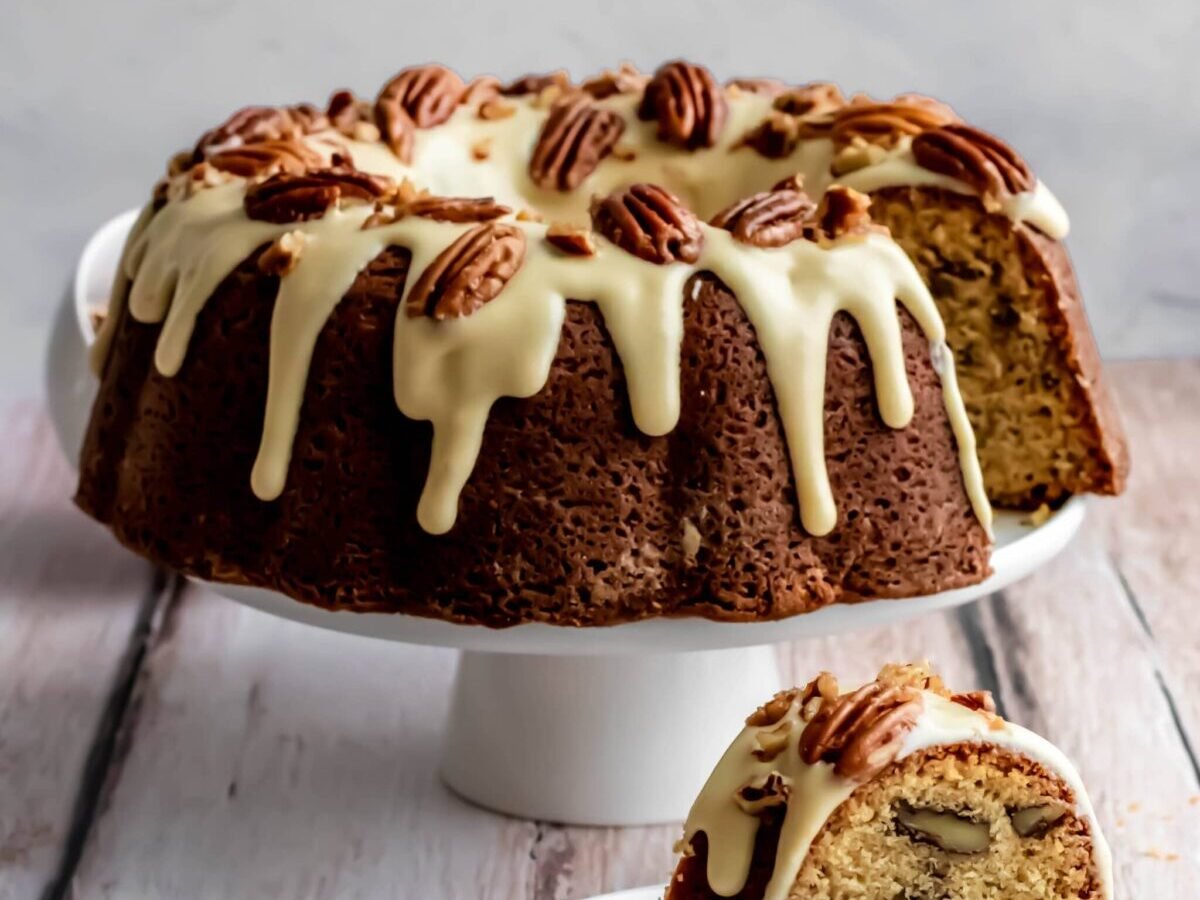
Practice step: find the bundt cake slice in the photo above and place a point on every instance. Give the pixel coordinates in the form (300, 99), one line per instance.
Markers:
(898, 789)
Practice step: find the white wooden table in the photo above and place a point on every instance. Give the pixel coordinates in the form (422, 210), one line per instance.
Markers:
(159, 742)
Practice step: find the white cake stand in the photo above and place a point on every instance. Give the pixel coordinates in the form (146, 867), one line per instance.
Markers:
(592, 726)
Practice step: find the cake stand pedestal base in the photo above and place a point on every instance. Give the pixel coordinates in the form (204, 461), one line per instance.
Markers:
(598, 740)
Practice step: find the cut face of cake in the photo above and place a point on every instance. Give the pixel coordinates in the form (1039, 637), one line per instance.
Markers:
(899, 789)
(586, 354)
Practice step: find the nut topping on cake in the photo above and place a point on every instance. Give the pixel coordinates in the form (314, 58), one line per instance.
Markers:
(887, 123)
(255, 124)
(687, 102)
(418, 97)
(773, 710)
(766, 87)
(763, 793)
(284, 255)
(285, 198)
(843, 211)
(479, 89)
(535, 84)
(570, 240)
(267, 158)
(810, 99)
(984, 162)
(576, 136)
(469, 273)
(351, 116)
(768, 219)
(624, 80)
(456, 209)
(861, 733)
(648, 222)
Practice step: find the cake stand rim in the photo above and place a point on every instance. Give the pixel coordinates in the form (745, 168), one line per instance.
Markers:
(1026, 548)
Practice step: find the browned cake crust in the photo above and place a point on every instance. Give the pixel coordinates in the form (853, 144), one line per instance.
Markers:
(1045, 422)
(571, 516)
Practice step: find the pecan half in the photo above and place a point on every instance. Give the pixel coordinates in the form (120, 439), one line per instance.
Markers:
(886, 123)
(843, 211)
(687, 102)
(285, 198)
(418, 97)
(456, 209)
(469, 273)
(267, 158)
(984, 162)
(648, 222)
(861, 733)
(623, 80)
(576, 136)
(980, 701)
(254, 124)
(535, 84)
(767, 219)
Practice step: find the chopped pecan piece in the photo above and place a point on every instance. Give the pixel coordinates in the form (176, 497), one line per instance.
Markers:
(284, 255)
(886, 123)
(980, 701)
(351, 116)
(287, 198)
(570, 240)
(761, 794)
(809, 99)
(623, 80)
(775, 137)
(479, 89)
(418, 97)
(469, 273)
(456, 209)
(267, 158)
(984, 162)
(494, 108)
(843, 211)
(535, 84)
(767, 87)
(767, 219)
(773, 710)
(255, 124)
(481, 149)
(576, 136)
(648, 222)
(861, 733)
(687, 102)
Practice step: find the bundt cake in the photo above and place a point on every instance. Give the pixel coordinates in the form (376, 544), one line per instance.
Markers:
(899, 789)
(749, 411)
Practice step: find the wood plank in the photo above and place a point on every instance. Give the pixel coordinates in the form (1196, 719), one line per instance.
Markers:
(275, 760)
(1151, 532)
(69, 602)
(1075, 664)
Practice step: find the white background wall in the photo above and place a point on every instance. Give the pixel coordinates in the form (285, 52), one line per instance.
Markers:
(1103, 98)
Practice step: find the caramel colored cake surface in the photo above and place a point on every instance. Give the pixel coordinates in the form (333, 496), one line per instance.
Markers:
(586, 354)
(899, 789)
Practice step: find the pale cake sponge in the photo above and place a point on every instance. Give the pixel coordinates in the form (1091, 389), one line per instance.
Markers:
(898, 790)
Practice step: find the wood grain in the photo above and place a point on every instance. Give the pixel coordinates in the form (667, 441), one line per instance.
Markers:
(264, 759)
(70, 603)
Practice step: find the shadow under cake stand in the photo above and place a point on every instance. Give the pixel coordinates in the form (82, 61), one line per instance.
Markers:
(617, 725)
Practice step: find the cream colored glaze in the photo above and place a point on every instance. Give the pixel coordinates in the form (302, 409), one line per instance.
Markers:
(816, 792)
(451, 372)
